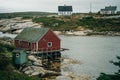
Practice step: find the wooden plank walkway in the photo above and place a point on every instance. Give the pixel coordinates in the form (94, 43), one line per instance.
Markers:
(46, 51)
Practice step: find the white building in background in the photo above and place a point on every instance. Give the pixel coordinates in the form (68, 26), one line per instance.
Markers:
(109, 10)
(65, 10)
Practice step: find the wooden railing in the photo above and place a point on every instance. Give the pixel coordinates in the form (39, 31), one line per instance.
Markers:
(44, 50)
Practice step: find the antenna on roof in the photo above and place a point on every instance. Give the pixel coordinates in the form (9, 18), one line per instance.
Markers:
(90, 7)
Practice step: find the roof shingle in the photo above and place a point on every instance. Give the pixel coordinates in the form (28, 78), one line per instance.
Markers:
(31, 34)
(110, 8)
(64, 8)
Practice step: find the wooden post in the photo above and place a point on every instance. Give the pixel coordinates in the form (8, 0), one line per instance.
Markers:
(36, 46)
(31, 46)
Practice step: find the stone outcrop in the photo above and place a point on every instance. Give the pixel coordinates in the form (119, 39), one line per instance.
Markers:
(73, 33)
(36, 68)
(15, 25)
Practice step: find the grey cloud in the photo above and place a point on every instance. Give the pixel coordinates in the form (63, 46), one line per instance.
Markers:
(51, 5)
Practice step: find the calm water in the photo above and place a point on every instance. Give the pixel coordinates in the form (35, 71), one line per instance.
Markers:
(94, 52)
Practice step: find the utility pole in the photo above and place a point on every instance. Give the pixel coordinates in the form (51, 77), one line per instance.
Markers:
(90, 8)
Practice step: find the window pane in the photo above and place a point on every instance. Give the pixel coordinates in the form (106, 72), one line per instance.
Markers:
(49, 44)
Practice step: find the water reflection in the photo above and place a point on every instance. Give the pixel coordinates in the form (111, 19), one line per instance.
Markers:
(94, 52)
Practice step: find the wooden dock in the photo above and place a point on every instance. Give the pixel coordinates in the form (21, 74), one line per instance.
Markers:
(46, 51)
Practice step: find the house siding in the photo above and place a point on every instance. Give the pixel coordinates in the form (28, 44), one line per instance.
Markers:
(49, 37)
(65, 13)
(109, 10)
(24, 45)
(42, 43)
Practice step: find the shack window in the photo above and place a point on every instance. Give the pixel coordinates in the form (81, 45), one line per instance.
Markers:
(17, 55)
(49, 44)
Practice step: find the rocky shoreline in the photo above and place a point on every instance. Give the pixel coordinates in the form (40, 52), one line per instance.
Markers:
(35, 67)
(16, 25)
(87, 33)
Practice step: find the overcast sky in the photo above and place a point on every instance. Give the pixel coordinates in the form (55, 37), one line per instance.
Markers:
(52, 5)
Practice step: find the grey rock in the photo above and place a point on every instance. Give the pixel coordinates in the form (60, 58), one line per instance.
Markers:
(63, 78)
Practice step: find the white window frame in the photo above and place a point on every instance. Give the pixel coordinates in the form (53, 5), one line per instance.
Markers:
(17, 54)
(49, 44)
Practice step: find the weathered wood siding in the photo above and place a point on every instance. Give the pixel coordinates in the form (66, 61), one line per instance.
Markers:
(42, 43)
(49, 37)
(25, 45)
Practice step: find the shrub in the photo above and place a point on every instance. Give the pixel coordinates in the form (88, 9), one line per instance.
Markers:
(5, 75)
(5, 48)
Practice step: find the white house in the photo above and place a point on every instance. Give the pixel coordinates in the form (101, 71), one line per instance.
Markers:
(65, 10)
(109, 10)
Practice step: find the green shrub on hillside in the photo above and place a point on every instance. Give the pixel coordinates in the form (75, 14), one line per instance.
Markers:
(48, 21)
(100, 24)
(5, 75)
(69, 23)
(6, 48)
(7, 70)
(4, 62)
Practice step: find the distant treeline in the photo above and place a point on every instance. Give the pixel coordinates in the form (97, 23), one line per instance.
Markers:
(23, 14)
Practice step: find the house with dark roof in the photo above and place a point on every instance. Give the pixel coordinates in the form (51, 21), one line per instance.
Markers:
(65, 10)
(118, 12)
(37, 39)
(109, 10)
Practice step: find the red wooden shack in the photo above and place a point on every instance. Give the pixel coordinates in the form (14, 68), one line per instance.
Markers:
(37, 39)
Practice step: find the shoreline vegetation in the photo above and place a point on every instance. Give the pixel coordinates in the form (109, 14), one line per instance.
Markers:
(87, 33)
(79, 24)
